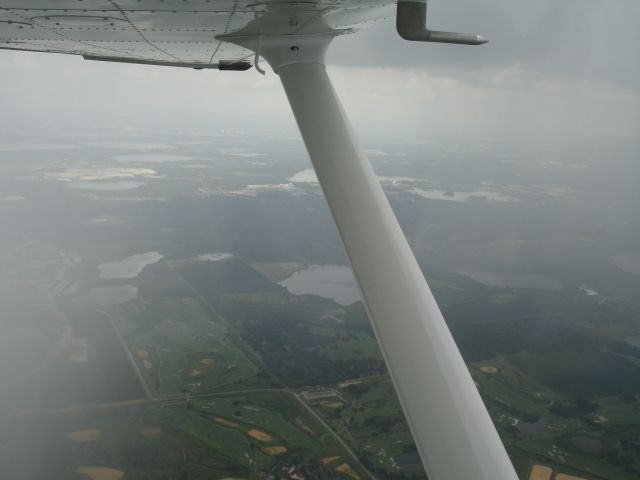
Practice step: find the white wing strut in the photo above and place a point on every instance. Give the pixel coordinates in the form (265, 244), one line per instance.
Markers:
(450, 425)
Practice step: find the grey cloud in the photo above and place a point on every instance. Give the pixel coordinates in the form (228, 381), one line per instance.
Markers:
(562, 66)
(591, 39)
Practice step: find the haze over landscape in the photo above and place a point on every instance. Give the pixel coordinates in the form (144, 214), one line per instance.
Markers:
(175, 301)
(139, 285)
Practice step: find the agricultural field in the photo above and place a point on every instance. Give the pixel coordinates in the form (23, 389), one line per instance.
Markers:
(261, 431)
(152, 332)
(577, 437)
(544, 411)
(133, 443)
(226, 369)
(368, 415)
(180, 347)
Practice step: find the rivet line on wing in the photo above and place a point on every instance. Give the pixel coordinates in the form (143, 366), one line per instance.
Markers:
(54, 32)
(226, 30)
(145, 39)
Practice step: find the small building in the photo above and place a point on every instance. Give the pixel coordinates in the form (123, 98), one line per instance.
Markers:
(314, 393)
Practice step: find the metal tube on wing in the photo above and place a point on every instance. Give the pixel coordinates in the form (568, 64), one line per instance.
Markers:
(411, 23)
(226, 65)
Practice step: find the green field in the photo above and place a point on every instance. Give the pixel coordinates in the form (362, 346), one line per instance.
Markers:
(258, 431)
(369, 416)
(225, 363)
(541, 374)
(514, 400)
(180, 348)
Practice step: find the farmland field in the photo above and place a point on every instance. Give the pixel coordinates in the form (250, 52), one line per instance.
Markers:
(147, 334)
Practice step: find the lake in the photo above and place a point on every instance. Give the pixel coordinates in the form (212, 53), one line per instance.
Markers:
(533, 428)
(482, 195)
(108, 220)
(129, 267)
(629, 262)
(107, 186)
(328, 281)
(150, 158)
(212, 257)
(510, 280)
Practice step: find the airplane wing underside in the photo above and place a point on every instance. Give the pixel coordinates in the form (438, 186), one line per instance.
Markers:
(176, 32)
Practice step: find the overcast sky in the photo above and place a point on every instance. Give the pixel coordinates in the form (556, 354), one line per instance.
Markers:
(562, 67)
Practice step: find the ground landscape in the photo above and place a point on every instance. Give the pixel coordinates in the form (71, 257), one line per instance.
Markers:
(177, 305)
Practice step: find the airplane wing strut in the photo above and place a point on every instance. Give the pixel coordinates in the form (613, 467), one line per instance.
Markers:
(449, 422)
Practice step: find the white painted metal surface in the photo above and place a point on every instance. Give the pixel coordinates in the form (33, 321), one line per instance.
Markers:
(451, 427)
(172, 31)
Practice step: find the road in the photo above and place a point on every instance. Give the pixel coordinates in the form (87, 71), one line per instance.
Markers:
(134, 364)
(328, 427)
(255, 357)
(182, 399)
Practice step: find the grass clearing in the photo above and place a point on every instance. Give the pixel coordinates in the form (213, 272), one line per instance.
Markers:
(176, 339)
(260, 436)
(489, 369)
(347, 383)
(86, 435)
(540, 472)
(226, 423)
(301, 423)
(101, 473)
(274, 451)
(346, 468)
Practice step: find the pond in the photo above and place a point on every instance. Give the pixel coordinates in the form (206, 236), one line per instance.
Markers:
(533, 428)
(408, 458)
